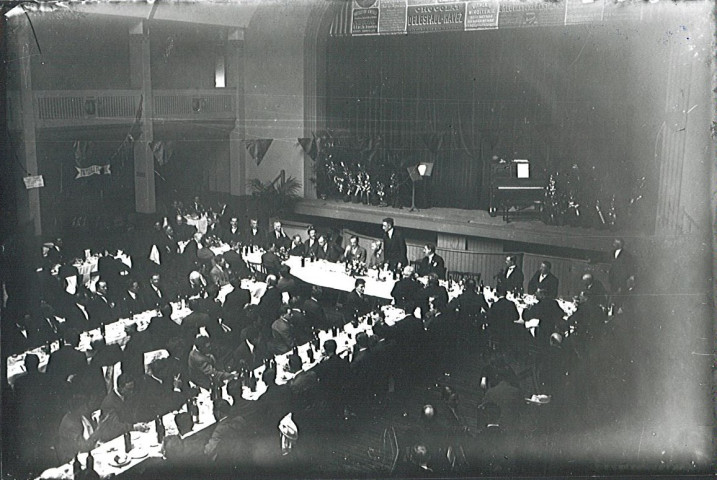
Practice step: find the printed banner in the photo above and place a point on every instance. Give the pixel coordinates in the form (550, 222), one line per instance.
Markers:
(436, 18)
(515, 14)
(92, 170)
(393, 17)
(482, 15)
(364, 21)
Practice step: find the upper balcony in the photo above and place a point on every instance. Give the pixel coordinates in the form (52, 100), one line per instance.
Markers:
(86, 108)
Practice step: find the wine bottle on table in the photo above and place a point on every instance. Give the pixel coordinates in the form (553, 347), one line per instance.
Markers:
(159, 426)
(76, 468)
(127, 442)
(90, 473)
(195, 410)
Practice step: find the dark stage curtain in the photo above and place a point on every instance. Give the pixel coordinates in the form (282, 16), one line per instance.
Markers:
(458, 99)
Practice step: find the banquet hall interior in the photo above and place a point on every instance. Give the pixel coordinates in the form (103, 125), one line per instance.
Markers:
(357, 239)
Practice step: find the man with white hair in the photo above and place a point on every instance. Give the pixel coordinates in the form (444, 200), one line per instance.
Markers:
(406, 292)
(278, 237)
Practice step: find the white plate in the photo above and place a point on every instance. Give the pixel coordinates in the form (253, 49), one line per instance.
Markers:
(120, 465)
(140, 454)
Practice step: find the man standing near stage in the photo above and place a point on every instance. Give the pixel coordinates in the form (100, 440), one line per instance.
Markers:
(394, 245)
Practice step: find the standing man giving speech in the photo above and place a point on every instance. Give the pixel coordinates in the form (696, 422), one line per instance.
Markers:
(394, 245)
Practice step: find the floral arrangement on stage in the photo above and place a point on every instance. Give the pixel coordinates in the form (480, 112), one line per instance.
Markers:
(357, 170)
(571, 199)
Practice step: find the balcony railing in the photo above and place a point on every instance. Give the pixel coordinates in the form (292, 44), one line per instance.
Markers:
(62, 108)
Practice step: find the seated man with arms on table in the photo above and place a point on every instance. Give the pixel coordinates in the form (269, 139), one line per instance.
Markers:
(78, 432)
(354, 252)
(327, 250)
(432, 262)
(202, 365)
(357, 303)
(119, 409)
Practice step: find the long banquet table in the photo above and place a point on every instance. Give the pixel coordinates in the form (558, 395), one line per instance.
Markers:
(321, 273)
(145, 444)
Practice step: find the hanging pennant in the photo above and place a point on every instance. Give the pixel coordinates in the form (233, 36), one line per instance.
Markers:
(257, 148)
(309, 146)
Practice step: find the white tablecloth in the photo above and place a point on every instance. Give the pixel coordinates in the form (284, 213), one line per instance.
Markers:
(145, 444)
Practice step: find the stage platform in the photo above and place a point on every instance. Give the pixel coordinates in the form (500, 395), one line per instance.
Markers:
(471, 223)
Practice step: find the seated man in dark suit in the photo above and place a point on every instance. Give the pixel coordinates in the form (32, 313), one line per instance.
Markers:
(232, 234)
(77, 431)
(67, 361)
(406, 292)
(118, 410)
(158, 395)
(231, 442)
(237, 266)
(501, 318)
(278, 237)
(184, 449)
(131, 302)
(271, 261)
(432, 262)
(354, 253)
(202, 366)
(548, 311)
(315, 314)
(270, 303)
(162, 328)
(311, 245)
(544, 279)
(327, 250)
(101, 308)
(237, 298)
(594, 289)
(287, 283)
(433, 289)
(252, 349)
(182, 230)
(333, 374)
(254, 235)
(357, 303)
(155, 295)
(297, 247)
(195, 320)
(284, 332)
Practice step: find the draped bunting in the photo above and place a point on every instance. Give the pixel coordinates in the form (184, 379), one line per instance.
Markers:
(162, 151)
(84, 163)
(257, 148)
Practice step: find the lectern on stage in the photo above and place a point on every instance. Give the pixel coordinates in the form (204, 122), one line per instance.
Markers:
(417, 173)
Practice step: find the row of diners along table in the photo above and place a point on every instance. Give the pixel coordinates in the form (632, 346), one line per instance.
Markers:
(121, 454)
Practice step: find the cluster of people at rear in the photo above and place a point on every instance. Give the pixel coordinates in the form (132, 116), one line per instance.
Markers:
(221, 342)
